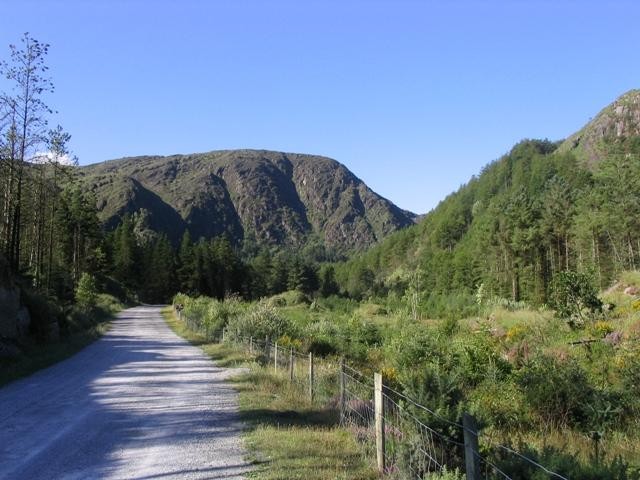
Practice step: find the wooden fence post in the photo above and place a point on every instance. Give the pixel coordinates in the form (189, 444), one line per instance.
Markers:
(471, 459)
(251, 345)
(379, 415)
(342, 387)
(291, 364)
(267, 350)
(223, 332)
(311, 392)
(275, 357)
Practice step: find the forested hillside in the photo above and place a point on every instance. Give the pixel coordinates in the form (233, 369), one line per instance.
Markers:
(541, 209)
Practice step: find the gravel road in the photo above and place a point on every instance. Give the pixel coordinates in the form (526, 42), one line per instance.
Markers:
(138, 403)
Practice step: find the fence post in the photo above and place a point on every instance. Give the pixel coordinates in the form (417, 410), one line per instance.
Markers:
(311, 377)
(471, 460)
(379, 415)
(275, 357)
(342, 387)
(223, 332)
(267, 350)
(251, 345)
(291, 364)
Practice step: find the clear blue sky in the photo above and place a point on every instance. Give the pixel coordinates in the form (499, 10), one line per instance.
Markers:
(413, 96)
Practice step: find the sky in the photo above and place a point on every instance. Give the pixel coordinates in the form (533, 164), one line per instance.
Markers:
(414, 97)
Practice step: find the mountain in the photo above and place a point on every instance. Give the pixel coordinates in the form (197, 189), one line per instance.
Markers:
(273, 197)
(616, 127)
(542, 208)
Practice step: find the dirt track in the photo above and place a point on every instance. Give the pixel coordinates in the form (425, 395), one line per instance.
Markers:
(139, 403)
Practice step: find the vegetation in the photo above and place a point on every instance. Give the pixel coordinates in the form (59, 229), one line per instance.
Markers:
(52, 261)
(489, 305)
(79, 327)
(528, 217)
(287, 436)
(252, 197)
(566, 391)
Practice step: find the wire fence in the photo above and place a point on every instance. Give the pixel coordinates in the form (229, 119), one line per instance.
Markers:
(407, 440)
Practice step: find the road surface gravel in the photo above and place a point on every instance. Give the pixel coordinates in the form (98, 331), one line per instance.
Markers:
(139, 403)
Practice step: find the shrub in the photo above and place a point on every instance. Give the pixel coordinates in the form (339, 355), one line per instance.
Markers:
(260, 321)
(601, 329)
(478, 357)
(556, 391)
(42, 312)
(574, 297)
(563, 463)
(499, 404)
(87, 292)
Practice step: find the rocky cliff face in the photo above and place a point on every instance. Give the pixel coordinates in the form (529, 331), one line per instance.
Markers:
(614, 130)
(279, 198)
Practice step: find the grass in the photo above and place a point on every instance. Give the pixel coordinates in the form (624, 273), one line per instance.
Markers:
(287, 436)
(36, 356)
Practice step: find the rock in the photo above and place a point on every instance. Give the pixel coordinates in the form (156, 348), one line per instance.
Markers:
(23, 321)
(53, 332)
(8, 349)
(613, 338)
(631, 291)
(9, 306)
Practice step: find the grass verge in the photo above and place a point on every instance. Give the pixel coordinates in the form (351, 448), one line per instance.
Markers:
(287, 437)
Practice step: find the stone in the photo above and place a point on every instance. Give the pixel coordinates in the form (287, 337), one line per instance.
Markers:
(23, 321)
(53, 332)
(9, 306)
(8, 349)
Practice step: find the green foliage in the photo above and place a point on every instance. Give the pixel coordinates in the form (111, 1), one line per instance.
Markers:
(563, 463)
(574, 297)
(261, 320)
(209, 316)
(327, 280)
(43, 312)
(87, 292)
(557, 392)
(532, 214)
(499, 404)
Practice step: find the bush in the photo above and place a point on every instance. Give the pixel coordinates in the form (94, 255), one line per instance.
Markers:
(43, 313)
(574, 297)
(209, 316)
(87, 292)
(260, 321)
(557, 391)
(499, 404)
(478, 358)
(562, 463)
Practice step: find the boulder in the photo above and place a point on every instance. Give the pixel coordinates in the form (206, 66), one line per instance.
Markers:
(23, 321)
(53, 332)
(8, 349)
(9, 307)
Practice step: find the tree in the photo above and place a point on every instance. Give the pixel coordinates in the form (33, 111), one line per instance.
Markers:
(86, 291)
(159, 271)
(186, 266)
(572, 294)
(125, 253)
(327, 280)
(25, 120)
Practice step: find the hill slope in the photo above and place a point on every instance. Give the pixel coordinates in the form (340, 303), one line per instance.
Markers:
(276, 198)
(616, 127)
(541, 209)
